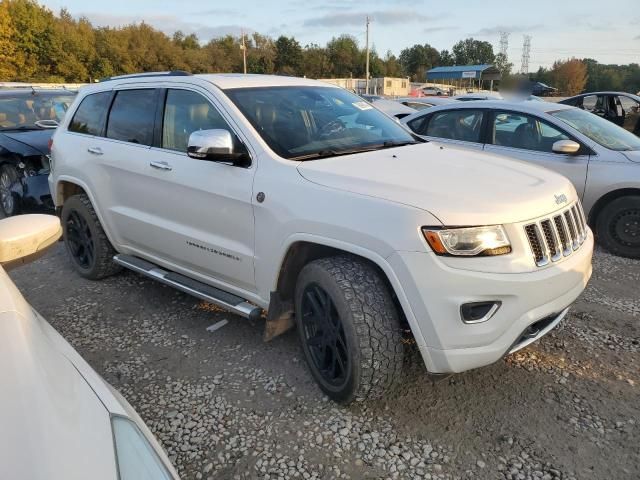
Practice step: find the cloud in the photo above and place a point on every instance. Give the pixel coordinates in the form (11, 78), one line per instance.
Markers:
(381, 17)
(494, 31)
(167, 24)
(636, 37)
(438, 29)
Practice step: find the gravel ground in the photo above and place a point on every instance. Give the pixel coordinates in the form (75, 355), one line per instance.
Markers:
(225, 405)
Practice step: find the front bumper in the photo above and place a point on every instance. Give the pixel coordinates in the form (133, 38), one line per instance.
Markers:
(435, 291)
(33, 192)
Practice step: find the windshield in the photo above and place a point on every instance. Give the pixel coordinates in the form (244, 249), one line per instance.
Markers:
(21, 111)
(301, 123)
(602, 131)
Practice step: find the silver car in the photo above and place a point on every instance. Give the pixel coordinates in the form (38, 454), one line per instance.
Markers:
(600, 158)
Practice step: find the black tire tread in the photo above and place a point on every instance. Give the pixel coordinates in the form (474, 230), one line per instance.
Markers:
(376, 323)
(602, 226)
(105, 266)
(13, 173)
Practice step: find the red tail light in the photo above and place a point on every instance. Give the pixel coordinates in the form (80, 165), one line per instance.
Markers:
(50, 144)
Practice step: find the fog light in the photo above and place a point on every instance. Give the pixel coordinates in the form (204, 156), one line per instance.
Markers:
(478, 312)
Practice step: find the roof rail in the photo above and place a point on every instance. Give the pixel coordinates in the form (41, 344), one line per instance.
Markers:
(173, 73)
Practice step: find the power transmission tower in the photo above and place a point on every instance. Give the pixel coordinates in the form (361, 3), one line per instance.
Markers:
(504, 43)
(526, 53)
(366, 84)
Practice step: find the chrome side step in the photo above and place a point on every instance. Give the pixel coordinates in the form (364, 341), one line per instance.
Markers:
(226, 300)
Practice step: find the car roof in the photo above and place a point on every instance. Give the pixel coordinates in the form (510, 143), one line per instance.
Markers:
(523, 106)
(606, 92)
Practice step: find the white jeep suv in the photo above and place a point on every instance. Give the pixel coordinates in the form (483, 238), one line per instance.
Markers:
(296, 199)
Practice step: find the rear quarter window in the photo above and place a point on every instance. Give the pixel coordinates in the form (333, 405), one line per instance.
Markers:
(90, 115)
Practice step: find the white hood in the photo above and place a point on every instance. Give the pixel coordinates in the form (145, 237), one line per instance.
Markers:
(460, 187)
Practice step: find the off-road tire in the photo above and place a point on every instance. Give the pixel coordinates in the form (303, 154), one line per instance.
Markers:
(621, 213)
(102, 265)
(370, 321)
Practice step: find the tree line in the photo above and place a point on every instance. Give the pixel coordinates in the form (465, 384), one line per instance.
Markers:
(38, 45)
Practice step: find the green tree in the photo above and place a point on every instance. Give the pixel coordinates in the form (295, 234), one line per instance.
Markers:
(503, 64)
(416, 60)
(8, 67)
(288, 56)
(473, 52)
(316, 62)
(344, 56)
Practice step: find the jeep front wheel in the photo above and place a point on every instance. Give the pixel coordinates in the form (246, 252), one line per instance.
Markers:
(87, 244)
(349, 328)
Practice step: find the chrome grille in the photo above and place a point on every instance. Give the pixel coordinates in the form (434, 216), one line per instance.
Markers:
(555, 237)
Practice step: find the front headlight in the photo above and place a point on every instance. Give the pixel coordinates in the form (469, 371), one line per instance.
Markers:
(137, 459)
(468, 242)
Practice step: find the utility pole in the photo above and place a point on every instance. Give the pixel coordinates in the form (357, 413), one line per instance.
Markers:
(243, 47)
(367, 67)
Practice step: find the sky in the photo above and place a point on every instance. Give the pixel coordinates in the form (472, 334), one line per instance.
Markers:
(558, 28)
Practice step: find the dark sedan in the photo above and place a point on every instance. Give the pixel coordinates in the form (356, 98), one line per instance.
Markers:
(28, 118)
(621, 108)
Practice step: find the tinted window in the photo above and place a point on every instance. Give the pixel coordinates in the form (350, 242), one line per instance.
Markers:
(316, 122)
(186, 112)
(524, 131)
(462, 125)
(628, 104)
(132, 116)
(91, 113)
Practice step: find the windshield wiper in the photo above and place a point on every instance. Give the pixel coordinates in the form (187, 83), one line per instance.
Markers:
(337, 153)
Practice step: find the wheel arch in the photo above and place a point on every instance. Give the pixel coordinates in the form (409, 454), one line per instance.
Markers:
(608, 198)
(304, 249)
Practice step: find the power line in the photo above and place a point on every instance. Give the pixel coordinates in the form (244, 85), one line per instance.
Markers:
(526, 53)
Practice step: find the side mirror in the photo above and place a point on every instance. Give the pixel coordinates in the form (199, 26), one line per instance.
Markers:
(26, 238)
(566, 146)
(215, 145)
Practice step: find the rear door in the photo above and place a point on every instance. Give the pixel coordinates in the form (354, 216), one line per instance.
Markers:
(630, 113)
(529, 138)
(461, 127)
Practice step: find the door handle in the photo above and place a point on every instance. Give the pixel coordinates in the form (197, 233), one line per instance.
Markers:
(161, 165)
(95, 150)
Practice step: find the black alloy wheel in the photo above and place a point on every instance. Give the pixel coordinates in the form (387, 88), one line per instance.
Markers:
(80, 240)
(324, 336)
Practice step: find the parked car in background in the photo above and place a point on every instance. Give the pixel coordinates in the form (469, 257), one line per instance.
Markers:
(296, 201)
(601, 159)
(421, 103)
(393, 108)
(60, 420)
(28, 117)
(433, 91)
(621, 108)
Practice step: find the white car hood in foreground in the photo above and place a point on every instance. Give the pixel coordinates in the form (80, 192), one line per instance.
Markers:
(633, 155)
(458, 186)
(53, 425)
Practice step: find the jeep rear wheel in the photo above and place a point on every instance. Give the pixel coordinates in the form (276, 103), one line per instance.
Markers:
(88, 246)
(349, 328)
(618, 226)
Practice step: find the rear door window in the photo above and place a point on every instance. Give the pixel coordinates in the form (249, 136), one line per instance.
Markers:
(90, 115)
(132, 116)
(464, 125)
